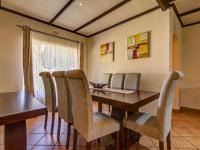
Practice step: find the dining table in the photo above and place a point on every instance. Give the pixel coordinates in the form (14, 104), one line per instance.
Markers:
(15, 109)
(123, 105)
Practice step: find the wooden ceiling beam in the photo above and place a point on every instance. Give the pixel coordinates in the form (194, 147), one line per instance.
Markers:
(164, 4)
(38, 20)
(61, 11)
(103, 14)
(191, 24)
(190, 12)
(127, 20)
(177, 14)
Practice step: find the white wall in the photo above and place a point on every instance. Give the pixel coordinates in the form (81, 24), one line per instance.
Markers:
(191, 65)
(11, 48)
(153, 69)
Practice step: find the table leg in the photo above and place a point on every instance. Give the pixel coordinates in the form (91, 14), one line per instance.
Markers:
(15, 136)
(99, 107)
(119, 114)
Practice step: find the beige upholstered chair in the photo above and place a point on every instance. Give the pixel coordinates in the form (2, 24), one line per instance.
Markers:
(132, 81)
(64, 103)
(106, 78)
(89, 125)
(158, 126)
(50, 97)
(117, 81)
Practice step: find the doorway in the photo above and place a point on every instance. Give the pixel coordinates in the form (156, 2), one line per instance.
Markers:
(176, 66)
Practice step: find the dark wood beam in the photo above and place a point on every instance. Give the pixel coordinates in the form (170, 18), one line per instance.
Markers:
(177, 14)
(104, 14)
(164, 4)
(61, 11)
(190, 12)
(127, 20)
(191, 24)
(37, 19)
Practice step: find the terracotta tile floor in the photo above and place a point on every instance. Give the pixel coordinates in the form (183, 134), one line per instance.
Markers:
(185, 135)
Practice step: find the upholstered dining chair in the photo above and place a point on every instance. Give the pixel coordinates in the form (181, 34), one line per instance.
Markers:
(132, 81)
(106, 78)
(64, 103)
(117, 81)
(50, 97)
(89, 125)
(158, 126)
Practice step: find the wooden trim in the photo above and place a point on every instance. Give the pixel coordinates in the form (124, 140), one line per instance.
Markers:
(177, 14)
(127, 20)
(164, 4)
(38, 20)
(191, 24)
(61, 11)
(190, 12)
(103, 14)
(190, 109)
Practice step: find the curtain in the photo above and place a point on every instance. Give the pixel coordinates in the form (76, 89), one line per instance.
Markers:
(51, 54)
(27, 61)
(81, 53)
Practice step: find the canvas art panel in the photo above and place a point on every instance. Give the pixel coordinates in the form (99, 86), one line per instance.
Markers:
(107, 52)
(138, 46)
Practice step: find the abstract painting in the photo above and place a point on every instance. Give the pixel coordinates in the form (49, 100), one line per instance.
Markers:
(107, 52)
(138, 46)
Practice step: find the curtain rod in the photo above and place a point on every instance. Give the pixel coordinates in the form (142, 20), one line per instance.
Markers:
(20, 26)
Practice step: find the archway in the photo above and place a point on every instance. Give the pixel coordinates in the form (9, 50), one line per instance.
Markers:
(176, 66)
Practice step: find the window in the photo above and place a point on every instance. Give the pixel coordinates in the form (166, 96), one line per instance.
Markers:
(51, 54)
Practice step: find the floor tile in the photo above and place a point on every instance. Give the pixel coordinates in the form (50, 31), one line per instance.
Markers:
(48, 139)
(194, 140)
(42, 148)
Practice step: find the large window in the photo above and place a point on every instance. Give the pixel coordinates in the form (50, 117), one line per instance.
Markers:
(51, 54)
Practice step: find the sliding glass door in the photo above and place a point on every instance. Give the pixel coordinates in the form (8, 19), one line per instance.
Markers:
(51, 54)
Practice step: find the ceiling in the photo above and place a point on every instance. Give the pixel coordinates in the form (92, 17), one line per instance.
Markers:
(89, 17)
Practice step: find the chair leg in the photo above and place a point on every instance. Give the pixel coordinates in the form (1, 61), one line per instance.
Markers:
(126, 134)
(75, 140)
(98, 141)
(168, 142)
(117, 141)
(59, 126)
(68, 135)
(161, 145)
(45, 122)
(52, 122)
(89, 146)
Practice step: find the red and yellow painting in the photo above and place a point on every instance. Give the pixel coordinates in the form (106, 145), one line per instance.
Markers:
(138, 46)
(107, 52)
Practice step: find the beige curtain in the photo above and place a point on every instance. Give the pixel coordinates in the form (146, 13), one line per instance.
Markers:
(81, 51)
(27, 61)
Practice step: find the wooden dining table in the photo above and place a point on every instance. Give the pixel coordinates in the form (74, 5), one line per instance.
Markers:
(123, 104)
(15, 108)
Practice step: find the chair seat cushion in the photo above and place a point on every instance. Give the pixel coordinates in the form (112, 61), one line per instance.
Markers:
(143, 123)
(102, 125)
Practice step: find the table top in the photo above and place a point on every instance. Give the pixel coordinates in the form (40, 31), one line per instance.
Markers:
(130, 101)
(18, 106)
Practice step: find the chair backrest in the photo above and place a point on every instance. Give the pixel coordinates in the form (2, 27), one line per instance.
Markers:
(64, 102)
(117, 81)
(50, 93)
(81, 101)
(132, 81)
(107, 78)
(165, 103)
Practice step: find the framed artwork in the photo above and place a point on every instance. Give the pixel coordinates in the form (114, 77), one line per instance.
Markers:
(107, 52)
(138, 46)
